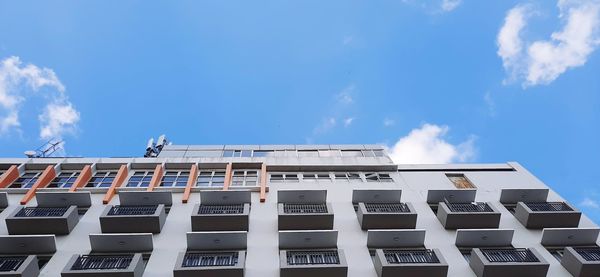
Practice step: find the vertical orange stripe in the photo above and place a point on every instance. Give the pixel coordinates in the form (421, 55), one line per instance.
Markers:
(263, 183)
(117, 182)
(156, 177)
(228, 174)
(191, 182)
(11, 175)
(44, 179)
(84, 177)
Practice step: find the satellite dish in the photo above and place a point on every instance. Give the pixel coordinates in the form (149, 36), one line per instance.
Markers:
(30, 153)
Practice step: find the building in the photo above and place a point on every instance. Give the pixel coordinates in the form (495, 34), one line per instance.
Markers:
(285, 210)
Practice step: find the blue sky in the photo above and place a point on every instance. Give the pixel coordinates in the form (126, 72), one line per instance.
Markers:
(468, 81)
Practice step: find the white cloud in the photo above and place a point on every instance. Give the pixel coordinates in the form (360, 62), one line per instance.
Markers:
(19, 83)
(346, 95)
(428, 145)
(449, 5)
(387, 122)
(348, 121)
(589, 203)
(325, 125)
(542, 61)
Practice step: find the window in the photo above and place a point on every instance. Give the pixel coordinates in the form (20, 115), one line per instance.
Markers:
(378, 177)
(211, 178)
(347, 176)
(320, 176)
(263, 153)
(373, 153)
(140, 178)
(175, 179)
(64, 180)
(308, 153)
(26, 180)
(351, 153)
(237, 153)
(102, 179)
(244, 178)
(460, 181)
(284, 177)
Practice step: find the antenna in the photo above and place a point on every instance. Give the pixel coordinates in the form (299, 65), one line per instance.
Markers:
(153, 149)
(46, 150)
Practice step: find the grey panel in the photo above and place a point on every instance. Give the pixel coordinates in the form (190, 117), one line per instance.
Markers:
(484, 237)
(511, 196)
(134, 198)
(64, 199)
(395, 238)
(308, 239)
(218, 197)
(302, 196)
(3, 200)
(121, 242)
(569, 236)
(376, 195)
(435, 196)
(35, 244)
(234, 240)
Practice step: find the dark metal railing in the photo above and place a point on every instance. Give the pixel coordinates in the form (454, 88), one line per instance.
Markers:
(479, 207)
(210, 259)
(132, 210)
(589, 253)
(411, 256)
(387, 208)
(549, 207)
(102, 262)
(312, 257)
(221, 209)
(11, 263)
(509, 255)
(304, 208)
(41, 212)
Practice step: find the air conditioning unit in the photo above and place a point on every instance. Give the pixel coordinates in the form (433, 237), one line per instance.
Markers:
(222, 211)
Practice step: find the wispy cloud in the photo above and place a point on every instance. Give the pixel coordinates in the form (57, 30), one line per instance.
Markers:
(589, 203)
(542, 61)
(450, 5)
(348, 121)
(340, 113)
(489, 103)
(428, 145)
(19, 83)
(387, 122)
(346, 96)
(325, 125)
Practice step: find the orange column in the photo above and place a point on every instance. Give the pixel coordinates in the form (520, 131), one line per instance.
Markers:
(117, 182)
(9, 176)
(84, 177)
(228, 174)
(156, 177)
(191, 182)
(263, 183)
(44, 179)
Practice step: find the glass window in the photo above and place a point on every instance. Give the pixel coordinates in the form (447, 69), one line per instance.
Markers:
(228, 153)
(244, 178)
(140, 178)
(347, 176)
(317, 176)
(102, 179)
(368, 153)
(379, 153)
(351, 153)
(283, 177)
(26, 180)
(174, 178)
(378, 177)
(263, 153)
(65, 179)
(211, 178)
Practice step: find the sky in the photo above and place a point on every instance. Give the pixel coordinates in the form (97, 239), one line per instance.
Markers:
(437, 81)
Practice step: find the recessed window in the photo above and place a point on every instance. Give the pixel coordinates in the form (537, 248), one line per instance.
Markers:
(140, 178)
(263, 153)
(26, 180)
(378, 177)
(316, 176)
(211, 178)
(352, 153)
(244, 178)
(347, 176)
(283, 177)
(174, 178)
(237, 153)
(460, 181)
(65, 179)
(102, 179)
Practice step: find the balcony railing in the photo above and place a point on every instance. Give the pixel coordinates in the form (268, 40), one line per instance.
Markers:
(469, 207)
(133, 210)
(549, 207)
(11, 263)
(312, 257)
(304, 208)
(41, 212)
(509, 255)
(410, 256)
(221, 209)
(387, 208)
(210, 259)
(102, 262)
(589, 254)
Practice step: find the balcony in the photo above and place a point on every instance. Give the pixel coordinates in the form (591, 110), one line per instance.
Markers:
(305, 216)
(538, 215)
(297, 263)
(386, 216)
(19, 266)
(499, 262)
(582, 261)
(133, 219)
(410, 263)
(225, 217)
(213, 263)
(468, 215)
(125, 265)
(42, 220)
